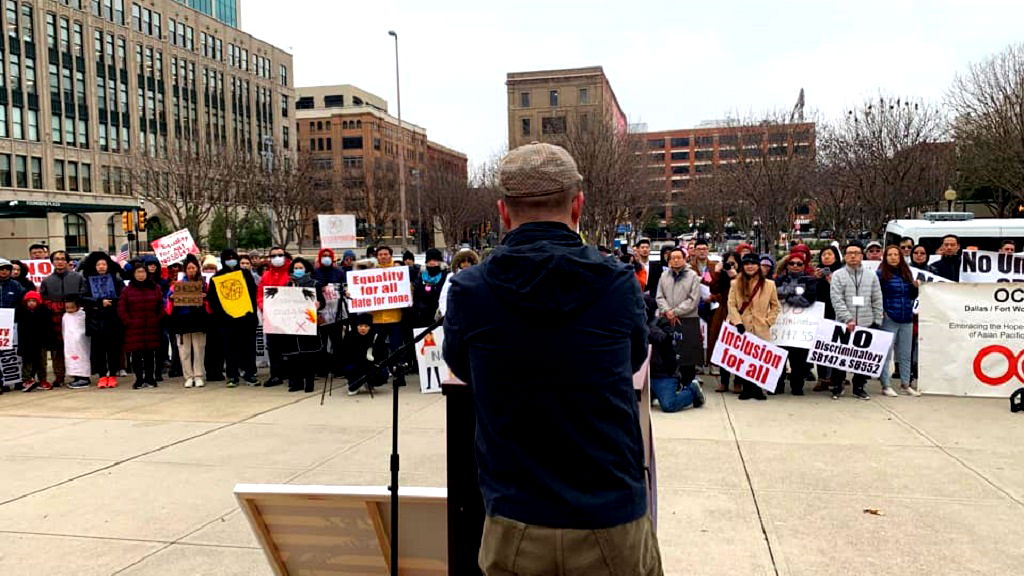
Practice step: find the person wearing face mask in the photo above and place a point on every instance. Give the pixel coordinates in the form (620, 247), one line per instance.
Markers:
(325, 273)
(298, 352)
(237, 335)
(278, 274)
(428, 289)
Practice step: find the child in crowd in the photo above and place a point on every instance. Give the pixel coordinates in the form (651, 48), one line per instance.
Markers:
(76, 345)
(361, 349)
(34, 334)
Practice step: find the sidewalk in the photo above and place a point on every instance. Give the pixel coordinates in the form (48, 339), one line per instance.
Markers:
(139, 482)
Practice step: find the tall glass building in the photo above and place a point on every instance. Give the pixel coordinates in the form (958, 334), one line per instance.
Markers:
(224, 10)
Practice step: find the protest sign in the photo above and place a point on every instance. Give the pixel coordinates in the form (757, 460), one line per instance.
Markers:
(985, 266)
(188, 294)
(233, 293)
(37, 270)
(923, 276)
(102, 287)
(337, 230)
(6, 328)
(433, 369)
(262, 358)
(796, 327)
(174, 247)
(862, 351)
(971, 339)
(10, 368)
(332, 304)
(289, 310)
(749, 357)
(379, 289)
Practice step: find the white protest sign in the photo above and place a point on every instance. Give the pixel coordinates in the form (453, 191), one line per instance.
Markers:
(379, 289)
(262, 357)
(862, 351)
(332, 297)
(289, 310)
(984, 266)
(971, 339)
(337, 230)
(871, 265)
(796, 327)
(10, 368)
(749, 357)
(433, 370)
(37, 270)
(923, 276)
(174, 247)
(6, 328)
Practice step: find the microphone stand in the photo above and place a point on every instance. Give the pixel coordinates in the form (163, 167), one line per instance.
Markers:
(393, 362)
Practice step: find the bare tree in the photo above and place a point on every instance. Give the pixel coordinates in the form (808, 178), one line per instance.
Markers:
(989, 128)
(295, 191)
(370, 192)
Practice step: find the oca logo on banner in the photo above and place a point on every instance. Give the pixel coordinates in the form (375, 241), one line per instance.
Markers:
(1014, 368)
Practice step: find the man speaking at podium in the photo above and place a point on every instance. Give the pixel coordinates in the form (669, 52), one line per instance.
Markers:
(548, 333)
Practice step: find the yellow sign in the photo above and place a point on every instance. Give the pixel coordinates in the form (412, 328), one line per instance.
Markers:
(233, 294)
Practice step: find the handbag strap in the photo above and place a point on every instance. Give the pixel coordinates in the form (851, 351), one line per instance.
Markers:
(757, 289)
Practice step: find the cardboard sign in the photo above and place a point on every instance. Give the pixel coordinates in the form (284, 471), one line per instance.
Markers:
(433, 369)
(188, 294)
(797, 326)
(174, 247)
(971, 339)
(985, 266)
(749, 357)
(862, 351)
(289, 310)
(102, 287)
(6, 328)
(379, 289)
(337, 230)
(233, 293)
(37, 270)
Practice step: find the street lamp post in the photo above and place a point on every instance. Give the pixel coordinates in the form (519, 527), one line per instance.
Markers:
(401, 146)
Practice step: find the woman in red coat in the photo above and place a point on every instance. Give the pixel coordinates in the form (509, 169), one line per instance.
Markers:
(141, 308)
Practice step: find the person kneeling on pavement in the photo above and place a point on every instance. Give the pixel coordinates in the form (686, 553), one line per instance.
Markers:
(361, 349)
(666, 387)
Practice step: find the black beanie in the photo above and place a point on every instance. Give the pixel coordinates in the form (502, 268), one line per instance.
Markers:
(433, 254)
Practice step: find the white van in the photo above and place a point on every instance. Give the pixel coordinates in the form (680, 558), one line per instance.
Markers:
(982, 233)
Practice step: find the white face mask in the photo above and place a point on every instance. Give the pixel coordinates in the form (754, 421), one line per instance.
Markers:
(277, 261)
(326, 261)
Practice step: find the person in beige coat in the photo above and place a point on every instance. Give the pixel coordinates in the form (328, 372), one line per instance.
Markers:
(753, 305)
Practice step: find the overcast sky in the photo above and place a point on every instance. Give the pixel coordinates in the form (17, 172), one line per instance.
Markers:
(672, 64)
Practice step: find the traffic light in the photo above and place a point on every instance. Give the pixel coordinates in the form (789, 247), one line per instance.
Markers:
(142, 220)
(126, 221)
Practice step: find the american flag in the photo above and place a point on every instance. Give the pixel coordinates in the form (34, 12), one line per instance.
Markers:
(122, 254)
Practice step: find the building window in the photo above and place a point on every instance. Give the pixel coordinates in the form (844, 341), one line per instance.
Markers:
(524, 99)
(525, 123)
(33, 125)
(680, 155)
(21, 171)
(355, 143)
(319, 126)
(5, 170)
(705, 141)
(553, 125)
(58, 174)
(112, 225)
(659, 143)
(320, 144)
(584, 96)
(284, 75)
(680, 143)
(334, 101)
(17, 128)
(86, 174)
(328, 143)
(703, 155)
(553, 98)
(3, 121)
(680, 169)
(76, 235)
(304, 103)
(72, 176)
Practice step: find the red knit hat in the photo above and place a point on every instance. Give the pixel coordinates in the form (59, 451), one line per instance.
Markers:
(33, 295)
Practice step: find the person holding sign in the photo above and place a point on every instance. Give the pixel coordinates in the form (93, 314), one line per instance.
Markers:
(753, 305)
(899, 290)
(276, 275)
(797, 289)
(857, 298)
(232, 298)
(389, 321)
(188, 321)
(299, 352)
(63, 284)
(101, 322)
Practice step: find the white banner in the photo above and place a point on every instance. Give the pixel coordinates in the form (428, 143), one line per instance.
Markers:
(6, 328)
(862, 351)
(37, 270)
(796, 327)
(433, 370)
(971, 339)
(379, 289)
(289, 310)
(749, 357)
(174, 247)
(984, 266)
(923, 276)
(337, 230)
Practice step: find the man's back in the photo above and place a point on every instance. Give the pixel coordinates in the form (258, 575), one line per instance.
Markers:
(548, 334)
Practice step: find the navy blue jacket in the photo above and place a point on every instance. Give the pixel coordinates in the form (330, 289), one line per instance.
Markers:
(548, 333)
(898, 297)
(11, 293)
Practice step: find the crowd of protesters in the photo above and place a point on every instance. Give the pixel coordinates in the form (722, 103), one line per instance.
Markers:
(96, 320)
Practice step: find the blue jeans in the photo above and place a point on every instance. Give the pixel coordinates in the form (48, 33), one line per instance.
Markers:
(902, 341)
(670, 397)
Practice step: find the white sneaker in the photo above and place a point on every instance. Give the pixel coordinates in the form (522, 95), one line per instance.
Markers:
(909, 391)
(888, 391)
(189, 383)
(198, 383)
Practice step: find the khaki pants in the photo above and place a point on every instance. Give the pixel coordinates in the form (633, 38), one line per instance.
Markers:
(192, 349)
(513, 548)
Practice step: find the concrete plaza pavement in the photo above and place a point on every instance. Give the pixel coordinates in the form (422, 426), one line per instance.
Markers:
(139, 482)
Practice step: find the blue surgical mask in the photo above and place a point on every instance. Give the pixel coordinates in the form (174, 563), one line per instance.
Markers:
(231, 263)
(299, 272)
(326, 261)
